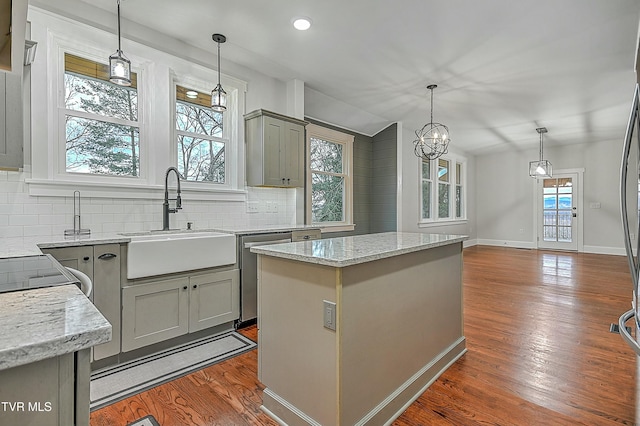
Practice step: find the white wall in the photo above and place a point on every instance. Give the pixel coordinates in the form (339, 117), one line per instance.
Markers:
(37, 217)
(505, 195)
(409, 193)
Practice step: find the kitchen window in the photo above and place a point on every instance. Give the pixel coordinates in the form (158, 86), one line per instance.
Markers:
(329, 176)
(442, 196)
(117, 142)
(201, 142)
(102, 134)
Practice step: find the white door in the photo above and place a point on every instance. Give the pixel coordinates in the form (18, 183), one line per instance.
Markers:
(558, 214)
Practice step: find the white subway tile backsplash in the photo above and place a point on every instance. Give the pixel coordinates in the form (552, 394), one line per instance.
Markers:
(29, 217)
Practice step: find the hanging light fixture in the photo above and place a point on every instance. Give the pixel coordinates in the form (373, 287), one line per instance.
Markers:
(119, 65)
(540, 168)
(218, 95)
(433, 139)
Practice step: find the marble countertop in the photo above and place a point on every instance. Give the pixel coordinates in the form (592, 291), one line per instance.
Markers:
(347, 251)
(43, 323)
(26, 246)
(268, 229)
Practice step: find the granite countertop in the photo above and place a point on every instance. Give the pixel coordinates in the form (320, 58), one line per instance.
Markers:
(347, 251)
(19, 246)
(267, 229)
(47, 322)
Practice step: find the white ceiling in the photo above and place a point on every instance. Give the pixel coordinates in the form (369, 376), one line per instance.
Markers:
(503, 67)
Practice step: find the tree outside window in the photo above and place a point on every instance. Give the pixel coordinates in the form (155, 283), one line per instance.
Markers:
(101, 121)
(200, 138)
(328, 177)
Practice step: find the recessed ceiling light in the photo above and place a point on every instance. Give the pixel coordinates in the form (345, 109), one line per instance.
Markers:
(192, 94)
(302, 23)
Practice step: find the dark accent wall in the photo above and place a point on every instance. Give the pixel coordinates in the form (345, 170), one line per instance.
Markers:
(362, 179)
(384, 188)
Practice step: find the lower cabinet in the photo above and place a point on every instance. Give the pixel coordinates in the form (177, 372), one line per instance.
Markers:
(161, 309)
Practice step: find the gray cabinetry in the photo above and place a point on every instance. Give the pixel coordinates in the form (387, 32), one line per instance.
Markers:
(275, 149)
(101, 263)
(11, 130)
(155, 310)
(43, 393)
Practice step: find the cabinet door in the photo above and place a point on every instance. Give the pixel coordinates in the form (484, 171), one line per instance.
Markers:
(11, 131)
(214, 299)
(80, 258)
(106, 294)
(293, 155)
(273, 135)
(154, 312)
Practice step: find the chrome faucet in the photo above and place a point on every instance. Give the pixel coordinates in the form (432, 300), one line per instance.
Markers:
(165, 206)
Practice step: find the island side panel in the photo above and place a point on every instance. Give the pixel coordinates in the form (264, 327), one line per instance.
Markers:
(398, 315)
(297, 356)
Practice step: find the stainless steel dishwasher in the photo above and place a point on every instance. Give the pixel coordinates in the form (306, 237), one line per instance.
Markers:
(248, 263)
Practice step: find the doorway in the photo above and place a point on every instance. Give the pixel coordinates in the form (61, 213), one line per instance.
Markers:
(558, 216)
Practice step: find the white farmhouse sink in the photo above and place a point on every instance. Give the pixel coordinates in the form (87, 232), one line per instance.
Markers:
(156, 253)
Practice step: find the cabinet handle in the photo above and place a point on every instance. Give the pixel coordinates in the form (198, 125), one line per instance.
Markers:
(185, 287)
(306, 237)
(195, 286)
(288, 181)
(86, 258)
(283, 181)
(107, 256)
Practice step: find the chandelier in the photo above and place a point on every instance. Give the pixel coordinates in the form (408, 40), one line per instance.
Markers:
(119, 65)
(540, 168)
(218, 95)
(433, 139)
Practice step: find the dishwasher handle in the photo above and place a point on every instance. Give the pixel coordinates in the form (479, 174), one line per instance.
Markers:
(264, 243)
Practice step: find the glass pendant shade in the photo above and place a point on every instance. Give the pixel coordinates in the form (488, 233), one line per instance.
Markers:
(119, 65)
(119, 69)
(541, 168)
(432, 141)
(219, 99)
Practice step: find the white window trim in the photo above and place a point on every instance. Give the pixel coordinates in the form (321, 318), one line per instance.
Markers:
(346, 141)
(156, 69)
(452, 219)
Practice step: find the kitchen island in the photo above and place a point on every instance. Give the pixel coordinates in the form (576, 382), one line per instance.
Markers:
(351, 330)
(45, 340)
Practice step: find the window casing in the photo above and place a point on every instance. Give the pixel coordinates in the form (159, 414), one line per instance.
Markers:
(153, 124)
(329, 176)
(442, 195)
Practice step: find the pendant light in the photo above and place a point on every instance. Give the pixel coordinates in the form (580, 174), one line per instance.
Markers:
(432, 141)
(541, 168)
(218, 95)
(119, 65)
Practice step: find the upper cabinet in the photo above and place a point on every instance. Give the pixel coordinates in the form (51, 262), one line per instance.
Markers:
(275, 149)
(13, 25)
(13, 19)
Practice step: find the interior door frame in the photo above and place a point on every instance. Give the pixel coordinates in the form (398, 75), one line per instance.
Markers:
(537, 203)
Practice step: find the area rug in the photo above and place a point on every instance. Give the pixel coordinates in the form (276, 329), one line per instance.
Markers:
(145, 421)
(115, 383)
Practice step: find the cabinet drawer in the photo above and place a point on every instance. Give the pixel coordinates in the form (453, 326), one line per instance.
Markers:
(307, 234)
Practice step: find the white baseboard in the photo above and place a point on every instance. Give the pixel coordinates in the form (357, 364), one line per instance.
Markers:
(619, 251)
(506, 243)
(469, 243)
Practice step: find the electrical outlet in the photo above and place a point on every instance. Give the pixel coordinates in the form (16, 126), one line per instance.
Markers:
(253, 207)
(329, 315)
(521, 230)
(632, 235)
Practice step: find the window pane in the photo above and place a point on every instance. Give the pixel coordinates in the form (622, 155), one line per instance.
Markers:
(443, 200)
(458, 173)
(100, 97)
(426, 170)
(426, 200)
(443, 170)
(326, 156)
(550, 201)
(458, 201)
(327, 198)
(196, 119)
(201, 160)
(99, 147)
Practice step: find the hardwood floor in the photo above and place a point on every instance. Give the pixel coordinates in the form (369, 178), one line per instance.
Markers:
(539, 353)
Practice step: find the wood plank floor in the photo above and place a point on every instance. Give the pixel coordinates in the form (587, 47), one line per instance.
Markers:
(539, 353)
